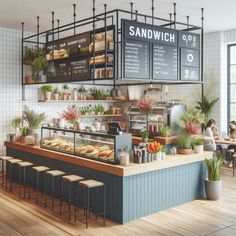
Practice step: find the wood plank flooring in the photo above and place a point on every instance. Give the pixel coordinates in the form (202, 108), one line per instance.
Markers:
(212, 218)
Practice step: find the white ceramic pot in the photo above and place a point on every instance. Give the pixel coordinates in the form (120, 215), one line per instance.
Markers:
(56, 96)
(75, 95)
(48, 96)
(213, 189)
(198, 149)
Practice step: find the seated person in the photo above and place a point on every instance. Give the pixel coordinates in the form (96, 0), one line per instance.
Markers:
(231, 148)
(212, 132)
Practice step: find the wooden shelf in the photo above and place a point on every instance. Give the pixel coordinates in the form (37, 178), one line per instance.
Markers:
(88, 116)
(89, 101)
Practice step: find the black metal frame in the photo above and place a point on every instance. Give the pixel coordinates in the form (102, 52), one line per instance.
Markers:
(115, 16)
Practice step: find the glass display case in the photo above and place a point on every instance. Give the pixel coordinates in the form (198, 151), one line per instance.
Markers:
(93, 145)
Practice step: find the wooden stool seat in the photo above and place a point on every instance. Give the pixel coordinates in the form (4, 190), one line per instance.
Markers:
(91, 183)
(14, 161)
(40, 168)
(24, 164)
(55, 172)
(230, 150)
(72, 178)
(4, 158)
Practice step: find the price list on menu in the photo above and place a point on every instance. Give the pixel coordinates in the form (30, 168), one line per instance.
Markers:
(79, 69)
(136, 59)
(165, 62)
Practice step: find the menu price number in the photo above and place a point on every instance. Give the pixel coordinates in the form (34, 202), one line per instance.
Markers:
(189, 40)
(190, 74)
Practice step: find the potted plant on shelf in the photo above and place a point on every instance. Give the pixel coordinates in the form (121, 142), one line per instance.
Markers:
(213, 183)
(165, 131)
(191, 121)
(39, 67)
(47, 91)
(198, 145)
(144, 134)
(65, 91)
(184, 142)
(30, 53)
(86, 110)
(56, 93)
(206, 106)
(99, 109)
(21, 127)
(33, 120)
(145, 105)
(71, 115)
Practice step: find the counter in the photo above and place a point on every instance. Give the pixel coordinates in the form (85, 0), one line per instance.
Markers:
(133, 191)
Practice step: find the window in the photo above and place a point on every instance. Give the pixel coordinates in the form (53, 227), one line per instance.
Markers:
(231, 82)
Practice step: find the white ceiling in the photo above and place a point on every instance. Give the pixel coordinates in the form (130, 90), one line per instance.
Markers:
(219, 14)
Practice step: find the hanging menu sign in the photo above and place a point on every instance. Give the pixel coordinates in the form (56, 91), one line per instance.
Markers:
(162, 59)
(158, 53)
(79, 69)
(165, 62)
(189, 56)
(136, 59)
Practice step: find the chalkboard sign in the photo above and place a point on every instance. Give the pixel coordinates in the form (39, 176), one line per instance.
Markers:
(73, 45)
(189, 56)
(165, 62)
(136, 59)
(79, 69)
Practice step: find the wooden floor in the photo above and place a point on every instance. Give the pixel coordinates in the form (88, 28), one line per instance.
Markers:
(201, 217)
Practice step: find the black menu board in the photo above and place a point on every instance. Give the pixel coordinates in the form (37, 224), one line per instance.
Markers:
(73, 45)
(189, 56)
(136, 59)
(79, 69)
(165, 62)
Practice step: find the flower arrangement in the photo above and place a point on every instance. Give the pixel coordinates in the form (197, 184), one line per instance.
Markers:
(154, 147)
(71, 115)
(145, 105)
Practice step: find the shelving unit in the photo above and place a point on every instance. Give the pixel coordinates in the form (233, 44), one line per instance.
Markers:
(88, 116)
(88, 101)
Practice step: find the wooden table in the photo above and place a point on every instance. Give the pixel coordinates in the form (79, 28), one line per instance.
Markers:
(224, 141)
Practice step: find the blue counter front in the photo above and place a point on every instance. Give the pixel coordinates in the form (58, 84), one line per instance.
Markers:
(134, 191)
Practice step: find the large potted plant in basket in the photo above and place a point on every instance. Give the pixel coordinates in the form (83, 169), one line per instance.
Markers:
(184, 142)
(213, 183)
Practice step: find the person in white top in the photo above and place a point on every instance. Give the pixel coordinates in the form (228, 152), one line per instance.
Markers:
(211, 131)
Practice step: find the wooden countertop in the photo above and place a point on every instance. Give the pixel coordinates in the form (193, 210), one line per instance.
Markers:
(132, 169)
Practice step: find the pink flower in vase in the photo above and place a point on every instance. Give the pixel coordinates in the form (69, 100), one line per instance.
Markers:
(145, 105)
(71, 115)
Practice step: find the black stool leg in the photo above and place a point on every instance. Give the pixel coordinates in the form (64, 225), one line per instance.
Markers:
(24, 180)
(75, 200)
(45, 191)
(69, 202)
(233, 167)
(104, 206)
(19, 181)
(61, 193)
(52, 193)
(87, 208)
(37, 187)
(2, 174)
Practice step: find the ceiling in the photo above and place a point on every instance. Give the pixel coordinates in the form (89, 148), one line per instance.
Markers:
(218, 15)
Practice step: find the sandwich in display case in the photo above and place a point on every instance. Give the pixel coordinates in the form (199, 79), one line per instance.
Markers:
(93, 145)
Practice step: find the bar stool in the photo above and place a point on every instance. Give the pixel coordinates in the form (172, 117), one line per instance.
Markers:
(39, 170)
(88, 185)
(72, 181)
(10, 162)
(53, 174)
(3, 159)
(23, 166)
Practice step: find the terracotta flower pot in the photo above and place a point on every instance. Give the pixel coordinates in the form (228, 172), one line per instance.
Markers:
(184, 151)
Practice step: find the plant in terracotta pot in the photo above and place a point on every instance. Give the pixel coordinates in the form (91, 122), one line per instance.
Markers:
(21, 127)
(56, 93)
(165, 131)
(71, 115)
(144, 134)
(47, 91)
(65, 91)
(191, 121)
(198, 145)
(184, 142)
(98, 109)
(30, 53)
(24, 131)
(213, 183)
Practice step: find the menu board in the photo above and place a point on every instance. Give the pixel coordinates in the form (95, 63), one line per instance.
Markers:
(69, 46)
(189, 56)
(79, 69)
(165, 62)
(171, 55)
(136, 59)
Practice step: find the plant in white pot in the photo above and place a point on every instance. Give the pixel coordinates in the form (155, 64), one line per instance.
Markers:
(198, 145)
(213, 184)
(56, 93)
(33, 120)
(184, 142)
(165, 131)
(47, 91)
